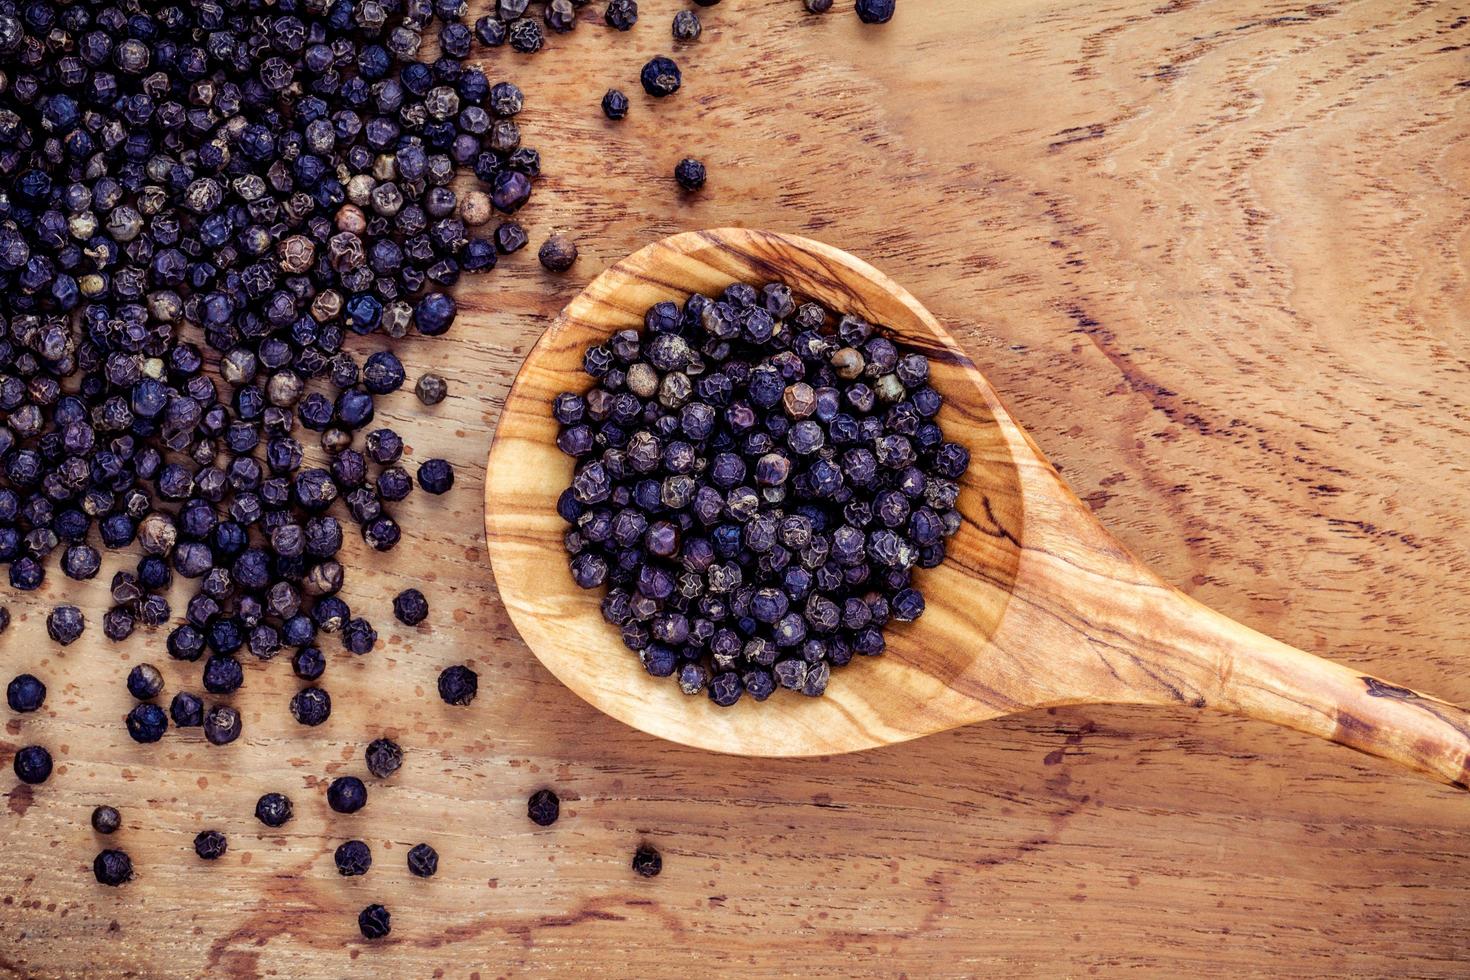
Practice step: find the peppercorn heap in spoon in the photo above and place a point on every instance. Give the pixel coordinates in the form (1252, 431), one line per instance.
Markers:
(1033, 605)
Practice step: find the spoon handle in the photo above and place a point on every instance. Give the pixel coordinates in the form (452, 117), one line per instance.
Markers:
(1250, 674)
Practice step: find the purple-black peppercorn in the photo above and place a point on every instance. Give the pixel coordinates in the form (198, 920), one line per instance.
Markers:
(346, 794)
(458, 685)
(25, 693)
(210, 845)
(384, 757)
(113, 868)
(106, 819)
(543, 807)
(423, 861)
(273, 809)
(375, 922)
(146, 723)
(647, 861)
(352, 858)
(32, 765)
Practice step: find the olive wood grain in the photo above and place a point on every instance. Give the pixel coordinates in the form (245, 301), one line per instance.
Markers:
(1035, 606)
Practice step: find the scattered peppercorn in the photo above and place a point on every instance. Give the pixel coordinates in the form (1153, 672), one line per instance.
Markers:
(186, 710)
(65, 624)
(375, 922)
(32, 764)
(818, 6)
(410, 607)
(146, 723)
(621, 14)
(615, 105)
(543, 807)
(660, 77)
(686, 26)
(353, 858)
(384, 757)
(106, 819)
(210, 845)
(690, 174)
(221, 725)
(558, 253)
(423, 861)
(145, 682)
(346, 794)
(875, 11)
(436, 476)
(273, 809)
(311, 706)
(26, 693)
(431, 389)
(113, 868)
(647, 861)
(458, 685)
(757, 521)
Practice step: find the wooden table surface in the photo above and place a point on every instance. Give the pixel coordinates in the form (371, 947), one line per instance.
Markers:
(1215, 256)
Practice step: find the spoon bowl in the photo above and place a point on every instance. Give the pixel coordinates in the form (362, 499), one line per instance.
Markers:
(1035, 604)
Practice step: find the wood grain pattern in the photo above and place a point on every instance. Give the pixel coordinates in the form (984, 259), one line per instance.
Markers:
(1035, 606)
(1213, 253)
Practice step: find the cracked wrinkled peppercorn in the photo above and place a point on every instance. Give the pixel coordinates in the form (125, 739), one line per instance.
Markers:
(423, 861)
(145, 682)
(458, 685)
(186, 710)
(210, 845)
(374, 922)
(690, 174)
(384, 757)
(431, 389)
(146, 723)
(347, 794)
(543, 807)
(106, 819)
(621, 14)
(26, 693)
(273, 809)
(615, 105)
(647, 861)
(221, 725)
(352, 858)
(875, 11)
(436, 476)
(686, 26)
(112, 867)
(32, 764)
(65, 624)
(410, 607)
(660, 77)
(311, 706)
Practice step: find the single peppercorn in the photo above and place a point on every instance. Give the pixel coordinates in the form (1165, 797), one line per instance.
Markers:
(660, 77)
(273, 809)
(384, 757)
(374, 922)
(436, 476)
(308, 663)
(352, 858)
(311, 706)
(558, 253)
(875, 11)
(543, 807)
(423, 861)
(510, 237)
(346, 794)
(410, 607)
(690, 174)
(32, 764)
(221, 725)
(112, 868)
(145, 682)
(621, 14)
(818, 6)
(210, 845)
(65, 624)
(26, 693)
(647, 861)
(106, 819)
(146, 723)
(615, 105)
(458, 685)
(686, 26)
(431, 389)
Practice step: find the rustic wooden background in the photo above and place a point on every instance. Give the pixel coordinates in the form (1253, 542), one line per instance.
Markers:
(1215, 255)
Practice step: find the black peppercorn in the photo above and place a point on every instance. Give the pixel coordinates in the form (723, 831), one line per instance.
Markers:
(621, 14)
(458, 685)
(210, 845)
(26, 693)
(146, 723)
(145, 682)
(558, 253)
(875, 11)
(614, 107)
(686, 26)
(346, 794)
(647, 861)
(221, 725)
(436, 476)
(358, 636)
(273, 809)
(32, 764)
(106, 819)
(690, 174)
(384, 757)
(186, 710)
(375, 921)
(311, 706)
(510, 237)
(410, 607)
(352, 858)
(543, 807)
(819, 6)
(113, 868)
(431, 389)
(660, 77)
(423, 861)
(65, 624)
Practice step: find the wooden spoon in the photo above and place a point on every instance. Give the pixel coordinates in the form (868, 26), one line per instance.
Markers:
(1036, 604)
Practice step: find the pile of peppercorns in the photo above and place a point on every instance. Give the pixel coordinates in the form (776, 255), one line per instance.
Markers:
(756, 482)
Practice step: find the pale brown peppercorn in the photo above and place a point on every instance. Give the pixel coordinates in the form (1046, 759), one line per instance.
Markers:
(558, 254)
